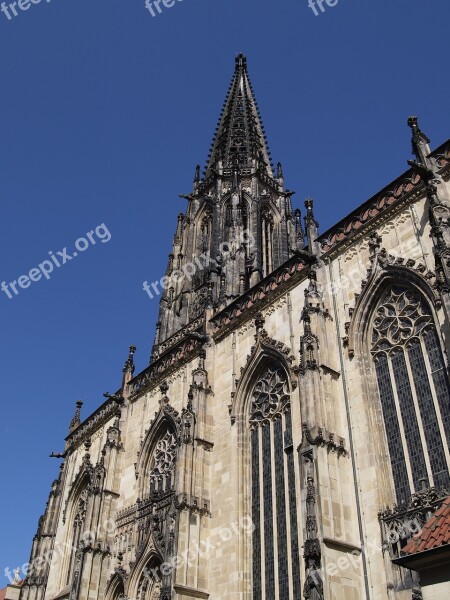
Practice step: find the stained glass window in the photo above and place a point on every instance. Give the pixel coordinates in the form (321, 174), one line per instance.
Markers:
(275, 537)
(413, 388)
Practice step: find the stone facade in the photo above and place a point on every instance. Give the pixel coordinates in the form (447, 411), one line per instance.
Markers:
(257, 455)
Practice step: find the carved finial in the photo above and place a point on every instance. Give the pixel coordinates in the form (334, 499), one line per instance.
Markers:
(312, 276)
(197, 174)
(420, 142)
(309, 205)
(259, 323)
(374, 243)
(87, 445)
(306, 318)
(241, 61)
(312, 228)
(16, 576)
(164, 389)
(129, 363)
(76, 418)
(279, 171)
(201, 360)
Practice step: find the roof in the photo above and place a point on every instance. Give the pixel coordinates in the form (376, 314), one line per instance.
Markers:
(395, 194)
(430, 548)
(434, 534)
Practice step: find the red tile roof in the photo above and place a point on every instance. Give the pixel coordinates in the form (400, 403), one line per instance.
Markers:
(434, 534)
(3, 594)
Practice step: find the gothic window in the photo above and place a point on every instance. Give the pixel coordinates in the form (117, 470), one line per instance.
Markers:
(163, 464)
(150, 585)
(236, 213)
(267, 225)
(204, 235)
(78, 528)
(275, 547)
(414, 390)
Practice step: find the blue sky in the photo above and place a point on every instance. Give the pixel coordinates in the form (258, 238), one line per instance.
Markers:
(106, 111)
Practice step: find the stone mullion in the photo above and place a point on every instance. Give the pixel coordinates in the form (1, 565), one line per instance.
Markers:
(261, 512)
(435, 401)
(423, 438)
(400, 424)
(274, 510)
(182, 546)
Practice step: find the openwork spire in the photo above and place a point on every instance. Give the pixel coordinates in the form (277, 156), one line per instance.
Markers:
(239, 137)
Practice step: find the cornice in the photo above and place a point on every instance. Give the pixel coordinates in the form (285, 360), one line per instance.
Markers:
(402, 191)
(97, 419)
(182, 352)
(260, 295)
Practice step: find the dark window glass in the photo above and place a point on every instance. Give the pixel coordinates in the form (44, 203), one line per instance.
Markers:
(392, 429)
(428, 414)
(411, 427)
(440, 378)
(283, 574)
(268, 514)
(293, 511)
(256, 516)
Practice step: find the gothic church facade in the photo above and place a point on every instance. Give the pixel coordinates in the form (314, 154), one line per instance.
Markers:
(292, 429)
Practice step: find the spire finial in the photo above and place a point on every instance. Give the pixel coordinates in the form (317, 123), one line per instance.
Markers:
(76, 417)
(279, 171)
(129, 363)
(420, 142)
(241, 61)
(197, 174)
(312, 227)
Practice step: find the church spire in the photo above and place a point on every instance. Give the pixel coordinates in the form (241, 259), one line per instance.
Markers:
(239, 225)
(240, 134)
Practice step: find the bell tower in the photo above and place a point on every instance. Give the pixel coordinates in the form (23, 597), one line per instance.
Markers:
(239, 225)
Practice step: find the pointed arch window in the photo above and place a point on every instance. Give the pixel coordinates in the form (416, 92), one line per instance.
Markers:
(413, 388)
(204, 236)
(163, 464)
(267, 227)
(236, 213)
(78, 527)
(150, 584)
(275, 550)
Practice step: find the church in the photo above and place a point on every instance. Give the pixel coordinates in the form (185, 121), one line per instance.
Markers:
(290, 436)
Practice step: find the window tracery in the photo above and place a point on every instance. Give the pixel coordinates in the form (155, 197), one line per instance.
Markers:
(275, 559)
(163, 464)
(413, 390)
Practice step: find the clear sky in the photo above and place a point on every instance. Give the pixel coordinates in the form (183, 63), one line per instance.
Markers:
(106, 110)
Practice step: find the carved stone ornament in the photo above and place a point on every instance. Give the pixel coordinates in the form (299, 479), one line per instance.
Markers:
(163, 464)
(318, 437)
(270, 397)
(395, 318)
(401, 315)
